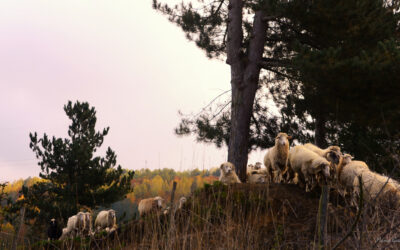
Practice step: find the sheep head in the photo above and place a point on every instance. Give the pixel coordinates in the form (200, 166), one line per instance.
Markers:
(346, 159)
(53, 222)
(182, 200)
(160, 202)
(334, 154)
(111, 217)
(282, 139)
(257, 166)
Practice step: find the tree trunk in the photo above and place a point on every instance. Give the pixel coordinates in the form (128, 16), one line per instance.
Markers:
(320, 131)
(244, 82)
(241, 110)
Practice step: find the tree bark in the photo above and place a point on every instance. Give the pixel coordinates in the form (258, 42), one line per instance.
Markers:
(320, 131)
(244, 82)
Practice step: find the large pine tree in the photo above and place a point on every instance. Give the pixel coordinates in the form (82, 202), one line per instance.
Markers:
(331, 61)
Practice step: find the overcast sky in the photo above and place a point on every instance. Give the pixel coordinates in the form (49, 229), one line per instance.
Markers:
(125, 59)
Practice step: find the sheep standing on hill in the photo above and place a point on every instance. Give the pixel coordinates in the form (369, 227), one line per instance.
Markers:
(87, 226)
(106, 219)
(149, 205)
(307, 164)
(377, 186)
(228, 174)
(276, 159)
(72, 228)
(374, 184)
(347, 171)
(81, 217)
(331, 153)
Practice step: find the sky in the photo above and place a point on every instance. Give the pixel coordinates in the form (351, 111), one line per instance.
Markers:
(127, 60)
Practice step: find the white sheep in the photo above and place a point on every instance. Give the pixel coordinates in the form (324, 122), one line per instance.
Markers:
(257, 178)
(349, 170)
(307, 164)
(249, 168)
(149, 205)
(82, 223)
(276, 158)
(228, 174)
(87, 228)
(104, 219)
(72, 228)
(375, 184)
(331, 153)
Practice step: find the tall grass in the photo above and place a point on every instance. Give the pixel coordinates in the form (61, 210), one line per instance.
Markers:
(252, 216)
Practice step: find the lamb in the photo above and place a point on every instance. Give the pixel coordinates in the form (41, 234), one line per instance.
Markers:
(150, 205)
(228, 174)
(53, 231)
(106, 219)
(307, 164)
(276, 158)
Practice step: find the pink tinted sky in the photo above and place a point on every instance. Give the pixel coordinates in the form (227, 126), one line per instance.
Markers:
(122, 57)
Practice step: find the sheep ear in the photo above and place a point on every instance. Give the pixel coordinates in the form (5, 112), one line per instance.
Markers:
(289, 137)
(222, 166)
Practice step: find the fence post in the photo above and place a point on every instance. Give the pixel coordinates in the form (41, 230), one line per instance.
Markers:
(323, 216)
(173, 192)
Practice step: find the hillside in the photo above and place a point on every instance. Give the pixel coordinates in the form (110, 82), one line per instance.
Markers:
(146, 183)
(254, 216)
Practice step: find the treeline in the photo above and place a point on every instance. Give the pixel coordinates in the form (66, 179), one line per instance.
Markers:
(159, 182)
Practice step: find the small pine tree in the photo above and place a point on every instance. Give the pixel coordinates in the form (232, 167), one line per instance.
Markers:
(73, 176)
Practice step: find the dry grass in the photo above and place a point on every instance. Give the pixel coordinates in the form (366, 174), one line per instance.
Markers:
(253, 216)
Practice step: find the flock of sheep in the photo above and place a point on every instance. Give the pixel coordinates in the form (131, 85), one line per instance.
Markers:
(305, 165)
(309, 166)
(81, 225)
(106, 220)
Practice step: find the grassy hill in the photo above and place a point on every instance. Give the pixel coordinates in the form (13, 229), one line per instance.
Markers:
(253, 216)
